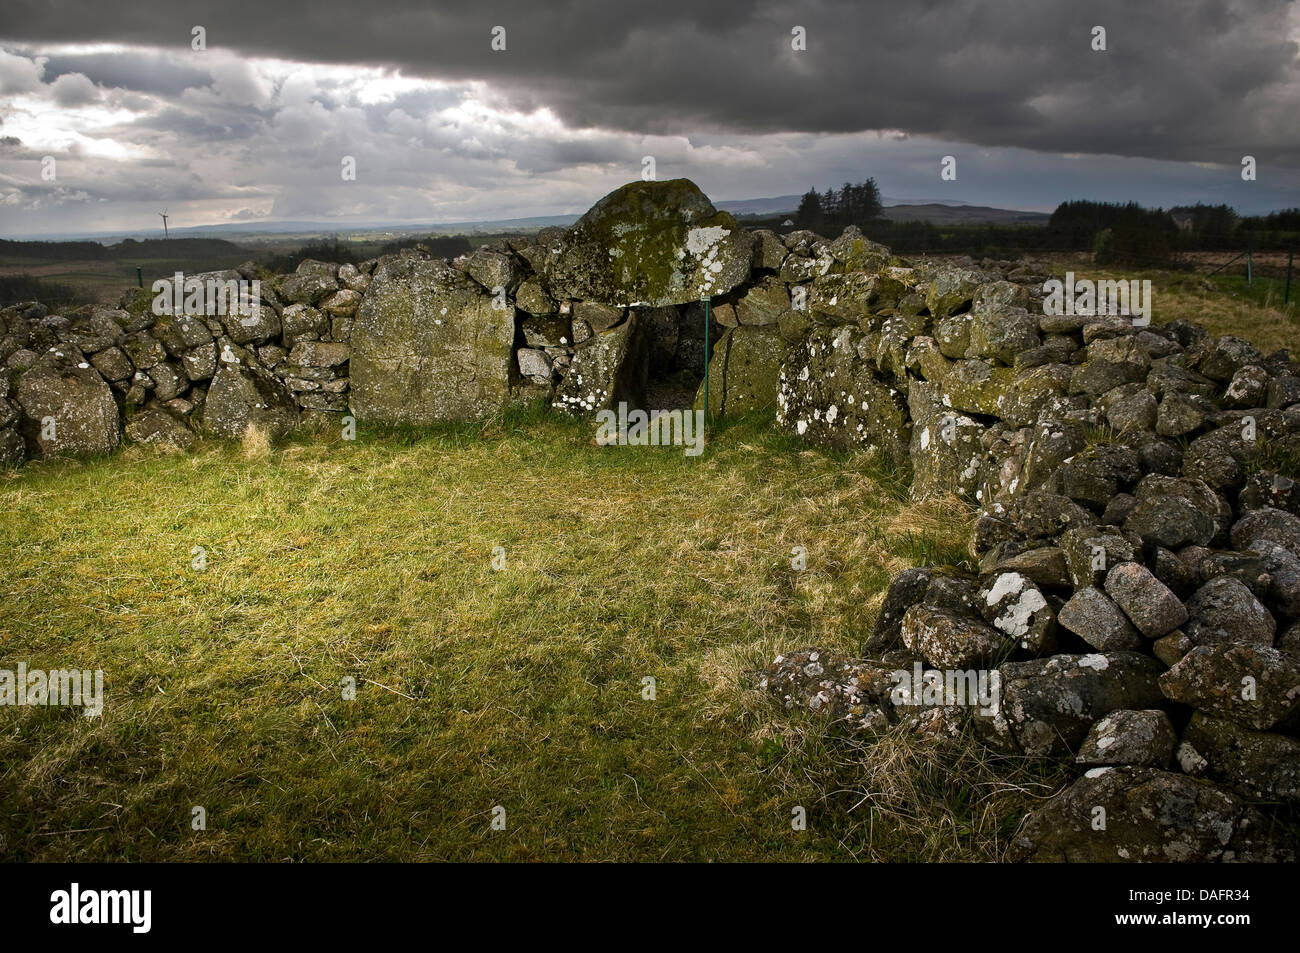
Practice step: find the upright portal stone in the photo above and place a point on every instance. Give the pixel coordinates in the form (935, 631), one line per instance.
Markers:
(608, 369)
(744, 372)
(650, 243)
(832, 393)
(428, 345)
(67, 407)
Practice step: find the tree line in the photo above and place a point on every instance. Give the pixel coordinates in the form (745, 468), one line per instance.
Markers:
(835, 210)
(1115, 232)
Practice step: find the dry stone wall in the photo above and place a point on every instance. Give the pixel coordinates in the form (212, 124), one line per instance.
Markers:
(1136, 539)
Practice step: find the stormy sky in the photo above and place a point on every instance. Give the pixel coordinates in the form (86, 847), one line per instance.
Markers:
(442, 127)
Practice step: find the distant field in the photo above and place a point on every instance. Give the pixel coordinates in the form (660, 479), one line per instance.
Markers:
(101, 281)
(1223, 303)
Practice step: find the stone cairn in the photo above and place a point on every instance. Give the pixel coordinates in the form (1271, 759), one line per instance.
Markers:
(1136, 533)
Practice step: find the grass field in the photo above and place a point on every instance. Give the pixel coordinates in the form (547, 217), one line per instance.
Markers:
(1223, 304)
(475, 687)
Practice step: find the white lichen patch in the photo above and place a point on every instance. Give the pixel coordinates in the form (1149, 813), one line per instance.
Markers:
(699, 241)
(1007, 584)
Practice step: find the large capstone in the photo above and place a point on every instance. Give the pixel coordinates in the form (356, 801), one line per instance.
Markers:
(429, 344)
(649, 243)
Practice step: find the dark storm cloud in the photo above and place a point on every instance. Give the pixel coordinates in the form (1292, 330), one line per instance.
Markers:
(144, 71)
(1192, 80)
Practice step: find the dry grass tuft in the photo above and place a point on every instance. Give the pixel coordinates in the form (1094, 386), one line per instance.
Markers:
(255, 443)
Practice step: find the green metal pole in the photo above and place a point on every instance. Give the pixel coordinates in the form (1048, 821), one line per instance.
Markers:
(1248, 263)
(139, 278)
(706, 360)
(1286, 297)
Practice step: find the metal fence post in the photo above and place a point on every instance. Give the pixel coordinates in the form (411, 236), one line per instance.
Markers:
(706, 359)
(1286, 296)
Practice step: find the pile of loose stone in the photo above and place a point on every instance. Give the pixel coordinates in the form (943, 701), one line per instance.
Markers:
(1138, 551)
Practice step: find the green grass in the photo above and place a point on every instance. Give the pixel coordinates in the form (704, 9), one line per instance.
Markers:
(522, 687)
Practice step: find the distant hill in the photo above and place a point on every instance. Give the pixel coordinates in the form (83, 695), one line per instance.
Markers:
(772, 206)
(937, 214)
(935, 211)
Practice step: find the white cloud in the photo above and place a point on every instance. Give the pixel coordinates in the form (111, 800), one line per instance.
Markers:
(74, 89)
(19, 74)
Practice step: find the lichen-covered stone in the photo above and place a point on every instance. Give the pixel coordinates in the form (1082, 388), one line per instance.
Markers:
(1225, 610)
(976, 386)
(1091, 551)
(429, 345)
(949, 289)
(1255, 686)
(851, 693)
(1150, 816)
(769, 251)
(650, 243)
(1147, 601)
(1143, 738)
(934, 587)
(67, 407)
(1267, 525)
(608, 369)
(497, 271)
(999, 335)
(1255, 763)
(744, 372)
(946, 455)
(1093, 617)
(313, 281)
(154, 425)
(832, 393)
(1016, 607)
(948, 639)
(1049, 704)
(244, 396)
(762, 303)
